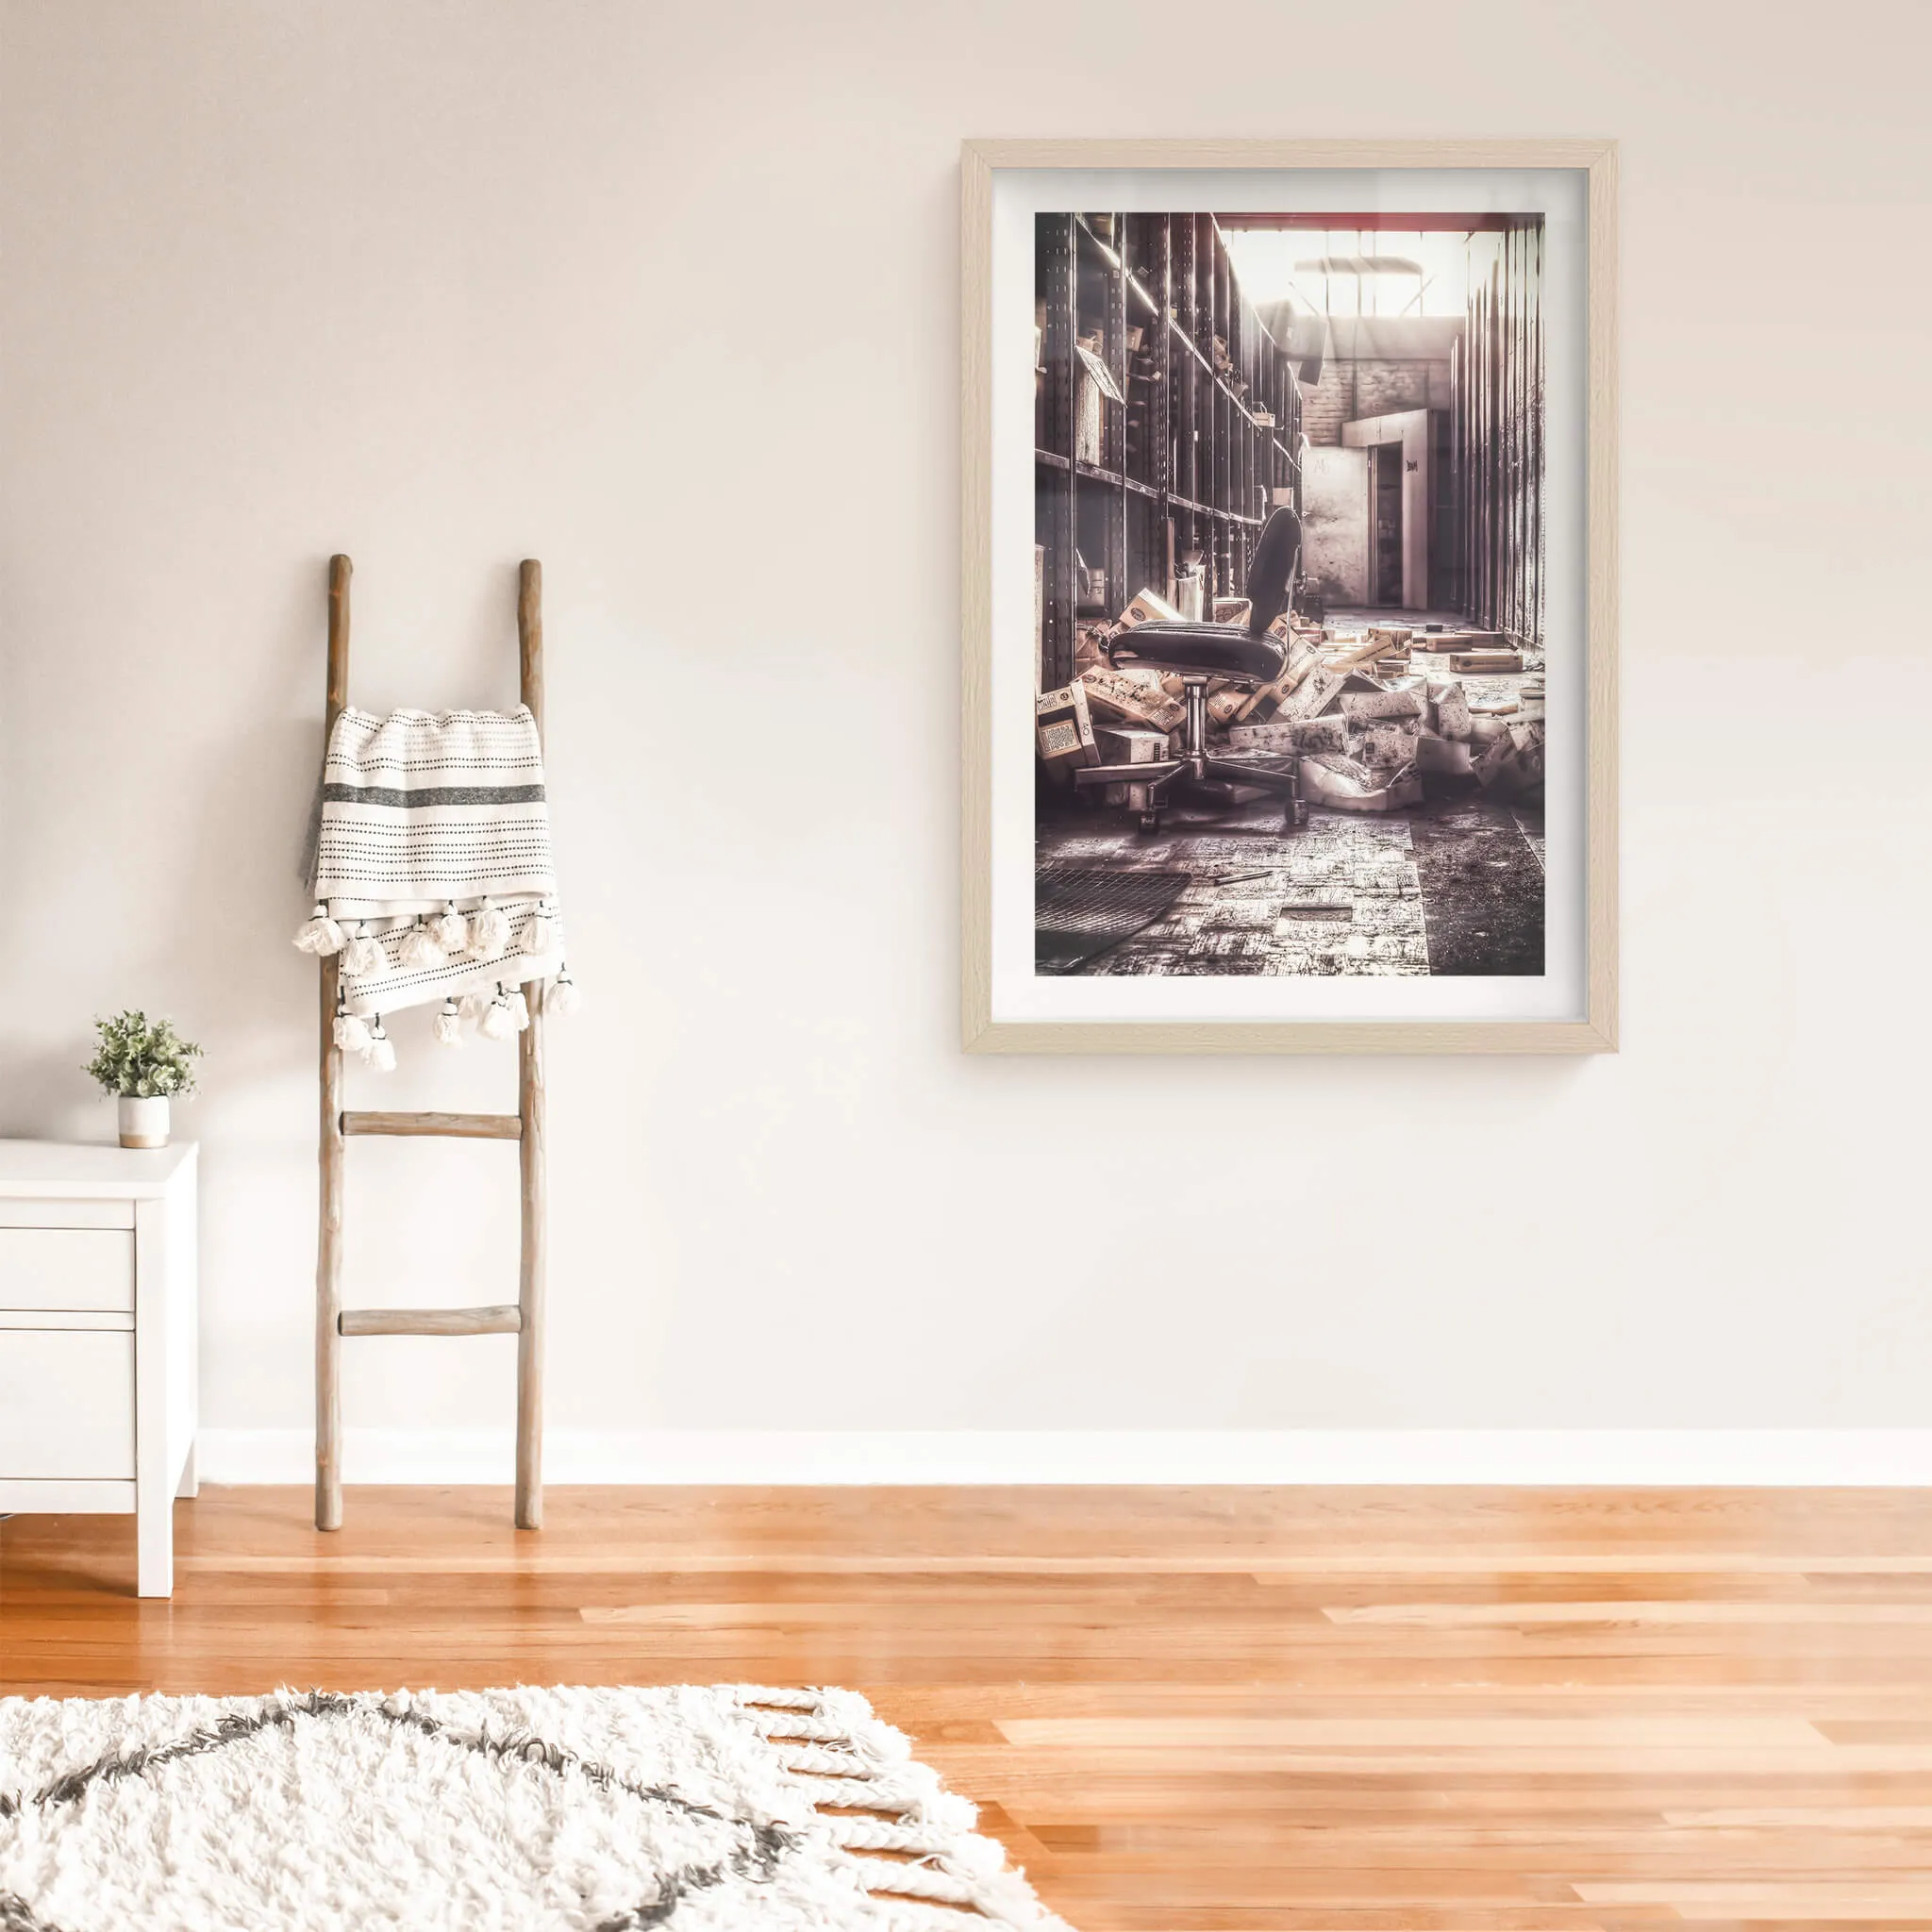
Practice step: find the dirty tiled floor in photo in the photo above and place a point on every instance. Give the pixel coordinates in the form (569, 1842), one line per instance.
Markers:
(1452, 887)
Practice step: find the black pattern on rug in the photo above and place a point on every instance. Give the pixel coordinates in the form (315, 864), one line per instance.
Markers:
(16, 1915)
(756, 1860)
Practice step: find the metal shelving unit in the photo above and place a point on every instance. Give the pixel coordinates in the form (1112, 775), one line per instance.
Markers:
(1193, 457)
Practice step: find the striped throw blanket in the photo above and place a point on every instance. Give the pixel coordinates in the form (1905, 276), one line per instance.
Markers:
(433, 877)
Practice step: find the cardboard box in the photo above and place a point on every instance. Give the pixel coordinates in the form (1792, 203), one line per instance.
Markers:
(1147, 607)
(1385, 745)
(1359, 708)
(1482, 663)
(1340, 784)
(1136, 696)
(1513, 765)
(1262, 737)
(1322, 690)
(1449, 711)
(1232, 609)
(1128, 744)
(1312, 734)
(1065, 729)
(1443, 757)
(1318, 687)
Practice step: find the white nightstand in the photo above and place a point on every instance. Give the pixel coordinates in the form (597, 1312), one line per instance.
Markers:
(97, 1337)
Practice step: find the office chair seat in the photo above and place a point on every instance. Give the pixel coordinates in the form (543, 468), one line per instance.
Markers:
(1199, 652)
(1217, 650)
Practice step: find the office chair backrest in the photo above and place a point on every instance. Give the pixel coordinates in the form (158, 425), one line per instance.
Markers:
(1270, 575)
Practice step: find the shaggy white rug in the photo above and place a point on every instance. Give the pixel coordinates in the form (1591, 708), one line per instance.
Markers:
(595, 1810)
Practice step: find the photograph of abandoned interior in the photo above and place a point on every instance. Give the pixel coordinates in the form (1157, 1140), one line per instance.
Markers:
(1289, 575)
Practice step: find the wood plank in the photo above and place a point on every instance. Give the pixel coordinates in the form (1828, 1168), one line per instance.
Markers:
(501, 1320)
(1146, 1690)
(455, 1126)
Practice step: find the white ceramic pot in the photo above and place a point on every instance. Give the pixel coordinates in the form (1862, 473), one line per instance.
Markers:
(143, 1120)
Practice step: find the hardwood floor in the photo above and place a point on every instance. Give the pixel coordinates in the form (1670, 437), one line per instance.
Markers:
(1181, 1709)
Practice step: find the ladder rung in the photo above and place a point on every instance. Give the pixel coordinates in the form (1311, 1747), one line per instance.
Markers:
(456, 1126)
(499, 1320)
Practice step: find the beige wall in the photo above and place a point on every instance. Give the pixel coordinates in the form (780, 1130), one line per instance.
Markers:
(667, 296)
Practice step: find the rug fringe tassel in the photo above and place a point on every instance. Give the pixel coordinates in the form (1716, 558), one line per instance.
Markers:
(874, 1797)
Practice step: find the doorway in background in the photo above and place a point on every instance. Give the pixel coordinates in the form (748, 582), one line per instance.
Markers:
(1385, 483)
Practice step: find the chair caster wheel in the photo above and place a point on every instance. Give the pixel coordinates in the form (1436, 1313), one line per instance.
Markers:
(1150, 821)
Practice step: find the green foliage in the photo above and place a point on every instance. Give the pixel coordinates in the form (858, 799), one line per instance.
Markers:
(142, 1059)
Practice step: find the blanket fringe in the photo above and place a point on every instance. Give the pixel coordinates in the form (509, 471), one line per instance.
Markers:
(362, 956)
(425, 944)
(319, 934)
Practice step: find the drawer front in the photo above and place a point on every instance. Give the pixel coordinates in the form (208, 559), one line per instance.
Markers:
(27, 1212)
(55, 1268)
(66, 1404)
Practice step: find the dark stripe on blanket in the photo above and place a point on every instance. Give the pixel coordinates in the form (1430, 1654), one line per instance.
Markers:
(433, 794)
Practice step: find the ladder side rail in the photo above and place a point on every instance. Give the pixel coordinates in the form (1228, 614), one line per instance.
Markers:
(329, 1253)
(530, 1108)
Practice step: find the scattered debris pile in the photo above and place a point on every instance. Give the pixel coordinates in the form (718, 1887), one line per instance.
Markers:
(1368, 713)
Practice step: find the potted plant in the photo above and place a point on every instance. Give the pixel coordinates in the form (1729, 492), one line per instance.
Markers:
(143, 1064)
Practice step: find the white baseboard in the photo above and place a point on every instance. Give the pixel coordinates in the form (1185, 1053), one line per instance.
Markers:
(1633, 1458)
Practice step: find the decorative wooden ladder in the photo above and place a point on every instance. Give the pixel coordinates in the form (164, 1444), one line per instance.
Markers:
(525, 1126)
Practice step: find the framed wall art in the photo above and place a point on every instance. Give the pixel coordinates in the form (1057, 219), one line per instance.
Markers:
(1290, 596)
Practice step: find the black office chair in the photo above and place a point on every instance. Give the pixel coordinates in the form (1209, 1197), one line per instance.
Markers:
(1197, 653)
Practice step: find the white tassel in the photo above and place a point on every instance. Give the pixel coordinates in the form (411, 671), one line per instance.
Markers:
(351, 1033)
(382, 1053)
(362, 957)
(419, 949)
(448, 1025)
(520, 1009)
(451, 930)
(490, 932)
(534, 937)
(319, 934)
(563, 998)
(498, 1021)
(472, 1006)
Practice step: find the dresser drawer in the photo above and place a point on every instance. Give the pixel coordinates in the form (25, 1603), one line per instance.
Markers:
(66, 1404)
(79, 1268)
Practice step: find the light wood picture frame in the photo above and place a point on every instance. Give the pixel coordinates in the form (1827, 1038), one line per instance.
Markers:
(1002, 184)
